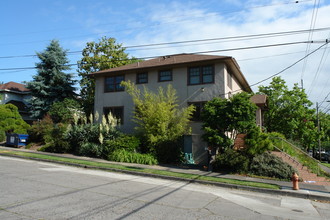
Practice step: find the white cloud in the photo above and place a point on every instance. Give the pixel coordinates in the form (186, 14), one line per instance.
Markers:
(182, 22)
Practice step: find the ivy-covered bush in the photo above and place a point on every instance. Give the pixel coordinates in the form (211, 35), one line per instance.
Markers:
(122, 155)
(269, 165)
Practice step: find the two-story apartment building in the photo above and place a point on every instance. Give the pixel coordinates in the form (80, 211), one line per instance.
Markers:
(197, 79)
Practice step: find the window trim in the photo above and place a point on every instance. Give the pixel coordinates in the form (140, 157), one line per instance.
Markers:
(165, 70)
(115, 107)
(137, 77)
(115, 90)
(200, 75)
(201, 103)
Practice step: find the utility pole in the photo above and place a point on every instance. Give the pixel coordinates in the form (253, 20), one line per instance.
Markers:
(318, 128)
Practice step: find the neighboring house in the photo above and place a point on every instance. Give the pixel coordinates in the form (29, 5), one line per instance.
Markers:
(18, 95)
(197, 79)
(262, 104)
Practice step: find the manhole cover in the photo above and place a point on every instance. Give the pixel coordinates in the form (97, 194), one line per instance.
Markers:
(296, 210)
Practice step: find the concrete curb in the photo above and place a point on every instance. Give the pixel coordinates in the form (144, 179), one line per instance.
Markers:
(224, 185)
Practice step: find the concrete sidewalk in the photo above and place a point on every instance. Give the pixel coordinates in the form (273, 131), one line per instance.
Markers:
(306, 190)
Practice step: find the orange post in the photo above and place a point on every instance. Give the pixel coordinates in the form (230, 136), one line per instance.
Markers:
(295, 180)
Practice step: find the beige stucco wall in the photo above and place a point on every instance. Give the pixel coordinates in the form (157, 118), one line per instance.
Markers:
(185, 93)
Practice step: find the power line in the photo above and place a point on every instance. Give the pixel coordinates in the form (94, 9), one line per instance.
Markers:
(278, 73)
(200, 52)
(241, 37)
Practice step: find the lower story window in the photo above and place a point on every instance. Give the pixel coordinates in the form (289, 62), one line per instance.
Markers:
(116, 111)
(199, 106)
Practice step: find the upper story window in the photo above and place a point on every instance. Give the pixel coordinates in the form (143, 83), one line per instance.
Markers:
(141, 78)
(112, 83)
(164, 75)
(200, 75)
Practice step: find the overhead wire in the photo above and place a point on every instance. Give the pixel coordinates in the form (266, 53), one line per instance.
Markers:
(231, 38)
(200, 52)
(310, 36)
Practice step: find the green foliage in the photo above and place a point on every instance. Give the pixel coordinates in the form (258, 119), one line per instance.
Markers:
(295, 153)
(170, 152)
(289, 112)
(2, 135)
(232, 161)
(90, 131)
(11, 120)
(269, 165)
(98, 56)
(51, 84)
(63, 111)
(40, 129)
(55, 139)
(122, 155)
(222, 116)
(123, 141)
(158, 116)
(257, 142)
(90, 149)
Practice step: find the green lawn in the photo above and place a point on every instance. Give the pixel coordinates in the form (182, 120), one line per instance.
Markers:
(100, 165)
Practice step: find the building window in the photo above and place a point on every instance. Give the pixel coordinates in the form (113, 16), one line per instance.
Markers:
(112, 83)
(200, 75)
(141, 78)
(117, 112)
(229, 80)
(164, 75)
(199, 106)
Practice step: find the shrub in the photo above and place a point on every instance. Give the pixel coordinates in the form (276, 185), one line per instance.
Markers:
(170, 152)
(269, 165)
(122, 155)
(232, 161)
(56, 141)
(39, 129)
(63, 111)
(2, 135)
(11, 120)
(127, 142)
(90, 150)
(257, 142)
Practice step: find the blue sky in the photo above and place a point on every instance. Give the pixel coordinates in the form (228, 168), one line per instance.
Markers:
(27, 27)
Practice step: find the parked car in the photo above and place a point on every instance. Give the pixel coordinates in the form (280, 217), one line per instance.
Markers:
(324, 157)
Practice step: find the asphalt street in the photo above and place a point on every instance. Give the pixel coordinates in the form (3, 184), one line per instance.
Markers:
(38, 190)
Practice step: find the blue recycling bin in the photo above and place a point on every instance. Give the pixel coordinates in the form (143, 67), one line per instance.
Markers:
(16, 140)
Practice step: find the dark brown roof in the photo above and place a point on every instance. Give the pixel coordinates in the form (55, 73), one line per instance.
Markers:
(164, 61)
(179, 59)
(13, 86)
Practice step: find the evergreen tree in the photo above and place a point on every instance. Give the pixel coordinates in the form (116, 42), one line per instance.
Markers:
(51, 84)
(102, 55)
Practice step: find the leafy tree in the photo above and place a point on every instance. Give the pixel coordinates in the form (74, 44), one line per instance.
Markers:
(11, 120)
(158, 117)
(225, 118)
(64, 111)
(51, 84)
(289, 112)
(102, 55)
